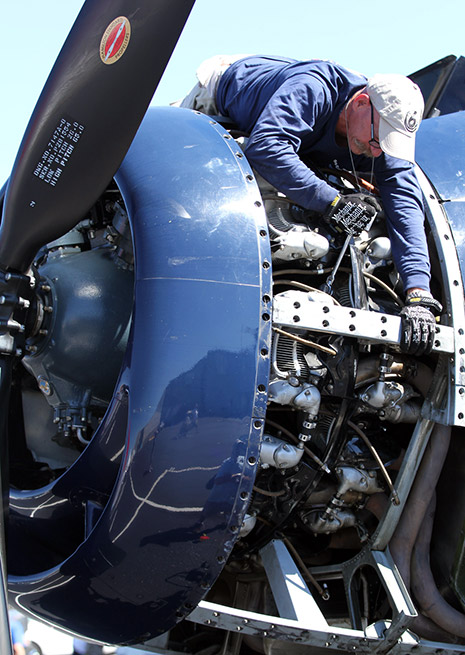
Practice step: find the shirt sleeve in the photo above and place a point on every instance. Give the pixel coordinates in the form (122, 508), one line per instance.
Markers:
(289, 117)
(402, 200)
(17, 633)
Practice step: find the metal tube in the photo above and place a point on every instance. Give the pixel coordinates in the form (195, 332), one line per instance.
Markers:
(405, 535)
(410, 546)
(424, 587)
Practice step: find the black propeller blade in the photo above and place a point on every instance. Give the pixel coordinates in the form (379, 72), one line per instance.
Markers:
(79, 132)
(86, 118)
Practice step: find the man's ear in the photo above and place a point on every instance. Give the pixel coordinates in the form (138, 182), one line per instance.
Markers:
(362, 100)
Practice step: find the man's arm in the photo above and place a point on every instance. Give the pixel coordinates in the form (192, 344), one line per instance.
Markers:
(403, 205)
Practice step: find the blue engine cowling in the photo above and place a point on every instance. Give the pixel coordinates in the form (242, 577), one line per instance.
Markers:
(131, 536)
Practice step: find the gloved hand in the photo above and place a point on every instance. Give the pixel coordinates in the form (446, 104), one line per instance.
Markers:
(352, 213)
(418, 323)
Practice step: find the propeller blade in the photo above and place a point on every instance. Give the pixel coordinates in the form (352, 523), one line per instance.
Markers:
(85, 119)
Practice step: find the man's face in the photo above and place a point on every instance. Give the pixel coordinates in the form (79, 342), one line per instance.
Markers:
(363, 131)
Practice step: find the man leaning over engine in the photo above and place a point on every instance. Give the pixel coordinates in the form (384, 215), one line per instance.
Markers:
(319, 111)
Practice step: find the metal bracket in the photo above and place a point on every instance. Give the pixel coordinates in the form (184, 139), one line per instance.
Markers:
(299, 310)
(302, 622)
(16, 291)
(291, 594)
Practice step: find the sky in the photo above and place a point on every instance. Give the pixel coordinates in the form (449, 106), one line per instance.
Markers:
(366, 35)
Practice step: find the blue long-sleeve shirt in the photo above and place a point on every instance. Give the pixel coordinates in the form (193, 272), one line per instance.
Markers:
(290, 109)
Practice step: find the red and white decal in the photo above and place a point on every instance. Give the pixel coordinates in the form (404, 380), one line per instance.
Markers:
(115, 40)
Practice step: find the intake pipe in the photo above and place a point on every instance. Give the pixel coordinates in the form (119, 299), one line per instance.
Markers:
(424, 587)
(405, 536)
(440, 621)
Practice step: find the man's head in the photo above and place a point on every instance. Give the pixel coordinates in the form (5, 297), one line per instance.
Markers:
(399, 103)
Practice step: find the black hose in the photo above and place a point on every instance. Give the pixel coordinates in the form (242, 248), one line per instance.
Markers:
(424, 587)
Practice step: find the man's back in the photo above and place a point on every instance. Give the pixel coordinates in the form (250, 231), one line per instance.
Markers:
(248, 85)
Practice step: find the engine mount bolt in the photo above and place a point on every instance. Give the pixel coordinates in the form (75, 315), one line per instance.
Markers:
(46, 388)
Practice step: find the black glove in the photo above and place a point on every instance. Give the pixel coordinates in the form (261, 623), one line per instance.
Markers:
(352, 213)
(418, 323)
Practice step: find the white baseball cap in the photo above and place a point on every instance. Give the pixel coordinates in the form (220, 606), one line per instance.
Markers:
(399, 103)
